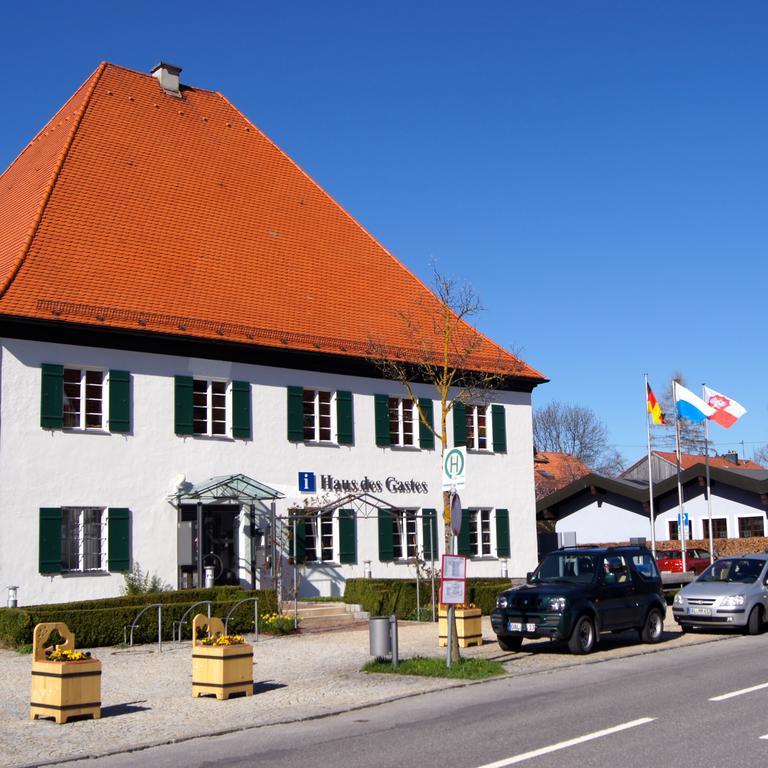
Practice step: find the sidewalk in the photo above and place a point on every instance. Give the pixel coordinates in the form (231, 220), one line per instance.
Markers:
(146, 695)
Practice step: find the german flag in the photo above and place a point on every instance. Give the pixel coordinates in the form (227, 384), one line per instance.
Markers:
(657, 416)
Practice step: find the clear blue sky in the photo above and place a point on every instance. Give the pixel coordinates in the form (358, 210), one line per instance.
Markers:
(597, 170)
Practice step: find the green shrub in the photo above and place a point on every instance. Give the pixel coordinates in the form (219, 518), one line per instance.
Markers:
(139, 583)
(15, 627)
(101, 622)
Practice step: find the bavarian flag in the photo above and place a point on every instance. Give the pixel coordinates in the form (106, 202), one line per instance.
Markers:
(657, 416)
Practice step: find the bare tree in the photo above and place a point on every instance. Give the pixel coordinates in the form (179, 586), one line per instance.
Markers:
(691, 434)
(760, 455)
(444, 350)
(572, 429)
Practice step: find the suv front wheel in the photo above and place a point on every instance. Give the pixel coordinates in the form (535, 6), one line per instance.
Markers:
(653, 627)
(582, 638)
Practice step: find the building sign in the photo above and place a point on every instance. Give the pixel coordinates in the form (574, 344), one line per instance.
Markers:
(454, 468)
(308, 484)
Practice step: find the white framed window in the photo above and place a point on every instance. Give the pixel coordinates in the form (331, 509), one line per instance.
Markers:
(210, 407)
(751, 526)
(405, 544)
(318, 539)
(83, 539)
(480, 532)
(477, 427)
(403, 420)
(84, 398)
(318, 421)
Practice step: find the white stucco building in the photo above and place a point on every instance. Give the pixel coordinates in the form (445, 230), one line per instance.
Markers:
(185, 326)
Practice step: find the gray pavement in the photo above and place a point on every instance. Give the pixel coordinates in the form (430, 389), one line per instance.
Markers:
(146, 694)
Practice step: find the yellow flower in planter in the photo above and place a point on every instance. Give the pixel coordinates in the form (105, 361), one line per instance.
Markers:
(223, 640)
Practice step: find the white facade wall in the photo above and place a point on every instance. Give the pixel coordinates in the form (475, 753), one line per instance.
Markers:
(602, 524)
(58, 468)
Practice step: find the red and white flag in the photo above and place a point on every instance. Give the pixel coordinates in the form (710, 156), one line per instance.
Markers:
(727, 411)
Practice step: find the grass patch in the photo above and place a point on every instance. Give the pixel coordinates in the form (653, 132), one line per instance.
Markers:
(24, 648)
(463, 669)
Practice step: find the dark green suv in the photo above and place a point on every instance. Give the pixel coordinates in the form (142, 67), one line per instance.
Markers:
(575, 594)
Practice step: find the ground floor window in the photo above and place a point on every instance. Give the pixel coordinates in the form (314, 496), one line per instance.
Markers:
(82, 539)
(674, 534)
(719, 528)
(751, 526)
(404, 538)
(318, 543)
(480, 532)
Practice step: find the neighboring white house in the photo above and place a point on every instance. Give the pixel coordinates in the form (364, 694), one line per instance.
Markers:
(600, 509)
(185, 319)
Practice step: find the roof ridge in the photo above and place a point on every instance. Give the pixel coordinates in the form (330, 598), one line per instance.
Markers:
(54, 177)
(500, 350)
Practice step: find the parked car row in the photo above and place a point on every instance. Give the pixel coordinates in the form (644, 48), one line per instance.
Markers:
(575, 595)
(696, 560)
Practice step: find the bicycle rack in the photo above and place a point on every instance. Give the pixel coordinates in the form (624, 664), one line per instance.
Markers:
(159, 607)
(183, 620)
(255, 615)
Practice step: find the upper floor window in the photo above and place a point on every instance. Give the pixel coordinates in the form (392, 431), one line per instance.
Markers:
(82, 539)
(402, 421)
(83, 398)
(318, 542)
(209, 409)
(317, 415)
(477, 427)
(404, 537)
(480, 532)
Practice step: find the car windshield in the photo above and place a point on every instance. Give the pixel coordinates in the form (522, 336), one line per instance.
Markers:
(570, 567)
(742, 570)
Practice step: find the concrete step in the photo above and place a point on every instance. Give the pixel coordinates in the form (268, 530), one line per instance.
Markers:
(319, 617)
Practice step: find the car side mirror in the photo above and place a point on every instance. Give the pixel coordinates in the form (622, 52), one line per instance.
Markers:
(529, 577)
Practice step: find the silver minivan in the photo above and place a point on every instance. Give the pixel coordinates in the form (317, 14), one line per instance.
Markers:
(732, 592)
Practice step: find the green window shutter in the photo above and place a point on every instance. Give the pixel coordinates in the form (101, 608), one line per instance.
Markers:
(347, 536)
(119, 401)
(345, 424)
(429, 520)
(381, 404)
(386, 545)
(459, 424)
(296, 414)
(118, 539)
(50, 540)
(300, 544)
(183, 401)
(502, 533)
(52, 396)
(499, 427)
(464, 545)
(426, 435)
(241, 410)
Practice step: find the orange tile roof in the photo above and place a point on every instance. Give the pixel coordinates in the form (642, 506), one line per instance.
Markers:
(133, 209)
(688, 460)
(553, 471)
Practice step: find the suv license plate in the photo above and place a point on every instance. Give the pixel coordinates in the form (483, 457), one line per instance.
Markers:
(516, 626)
(696, 611)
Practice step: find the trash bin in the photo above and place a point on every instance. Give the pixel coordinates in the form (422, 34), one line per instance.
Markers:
(380, 636)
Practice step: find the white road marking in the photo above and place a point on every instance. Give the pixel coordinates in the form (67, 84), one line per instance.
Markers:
(764, 737)
(566, 744)
(730, 695)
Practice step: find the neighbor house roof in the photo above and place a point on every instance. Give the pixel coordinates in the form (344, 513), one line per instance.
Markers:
(136, 210)
(690, 459)
(553, 470)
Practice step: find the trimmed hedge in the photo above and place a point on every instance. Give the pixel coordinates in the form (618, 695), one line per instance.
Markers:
(382, 597)
(101, 622)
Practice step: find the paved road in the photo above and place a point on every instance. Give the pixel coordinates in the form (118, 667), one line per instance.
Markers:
(632, 711)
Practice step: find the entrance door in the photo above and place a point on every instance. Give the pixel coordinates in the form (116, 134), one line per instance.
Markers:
(219, 543)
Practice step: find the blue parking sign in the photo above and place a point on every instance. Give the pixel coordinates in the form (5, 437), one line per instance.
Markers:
(307, 482)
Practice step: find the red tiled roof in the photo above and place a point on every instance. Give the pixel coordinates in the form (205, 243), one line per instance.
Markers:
(553, 471)
(688, 460)
(133, 209)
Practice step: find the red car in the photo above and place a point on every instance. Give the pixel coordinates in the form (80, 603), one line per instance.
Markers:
(696, 560)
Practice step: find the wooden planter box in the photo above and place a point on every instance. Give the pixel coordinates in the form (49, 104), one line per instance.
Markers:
(468, 626)
(219, 670)
(63, 689)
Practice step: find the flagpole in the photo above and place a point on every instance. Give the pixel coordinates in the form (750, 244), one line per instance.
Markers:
(709, 491)
(681, 506)
(650, 471)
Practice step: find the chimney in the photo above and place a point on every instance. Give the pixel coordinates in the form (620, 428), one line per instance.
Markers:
(168, 75)
(731, 456)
